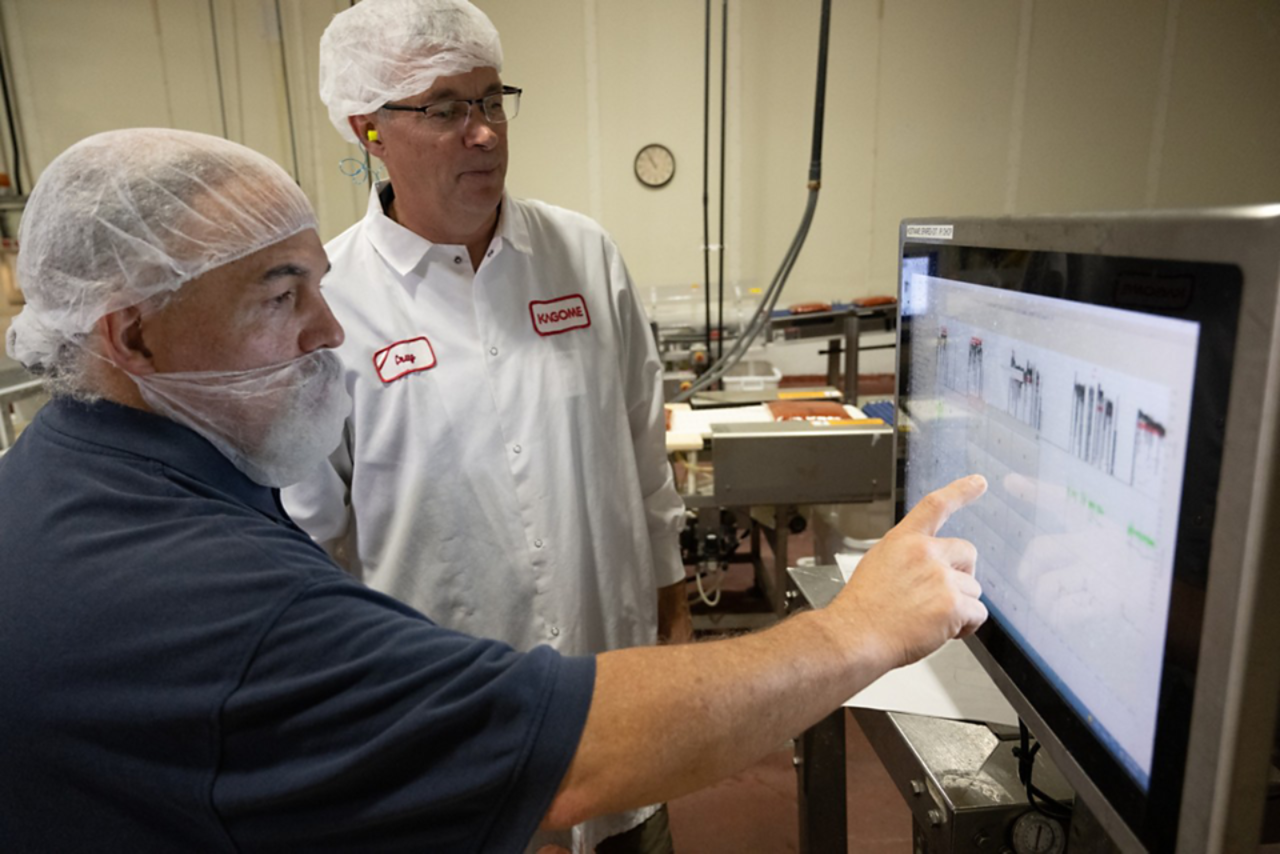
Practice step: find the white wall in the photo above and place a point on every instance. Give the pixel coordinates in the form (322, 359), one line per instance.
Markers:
(933, 107)
(216, 66)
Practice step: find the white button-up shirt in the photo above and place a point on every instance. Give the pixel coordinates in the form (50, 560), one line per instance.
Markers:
(504, 469)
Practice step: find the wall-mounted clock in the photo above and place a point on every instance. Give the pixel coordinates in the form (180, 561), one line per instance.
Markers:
(655, 165)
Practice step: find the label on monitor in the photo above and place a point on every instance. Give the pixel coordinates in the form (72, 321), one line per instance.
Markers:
(930, 232)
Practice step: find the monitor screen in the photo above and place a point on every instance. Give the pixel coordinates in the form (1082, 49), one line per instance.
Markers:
(1073, 382)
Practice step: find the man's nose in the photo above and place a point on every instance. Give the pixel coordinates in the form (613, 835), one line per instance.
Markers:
(478, 132)
(323, 330)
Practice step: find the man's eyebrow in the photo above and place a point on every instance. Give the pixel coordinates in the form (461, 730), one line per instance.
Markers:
(282, 271)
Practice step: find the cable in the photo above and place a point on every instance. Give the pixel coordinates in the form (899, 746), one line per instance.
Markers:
(1026, 754)
(714, 599)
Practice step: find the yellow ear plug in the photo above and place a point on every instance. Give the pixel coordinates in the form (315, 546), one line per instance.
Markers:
(372, 135)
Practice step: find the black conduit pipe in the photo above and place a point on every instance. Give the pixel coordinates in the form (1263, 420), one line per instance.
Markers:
(724, 67)
(706, 176)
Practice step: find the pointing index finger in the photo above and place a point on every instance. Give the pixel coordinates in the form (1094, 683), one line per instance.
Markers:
(932, 512)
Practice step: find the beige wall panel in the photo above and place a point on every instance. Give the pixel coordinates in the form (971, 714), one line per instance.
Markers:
(544, 52)
(1093, 86)
(83, 66)
(933, 108)
(1222, 140)
(651, 91)
(253, 78)
(780, 74)
(947, 75)
(340, 199)
(187, 53)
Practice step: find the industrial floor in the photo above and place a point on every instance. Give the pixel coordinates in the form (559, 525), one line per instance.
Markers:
(756, 812)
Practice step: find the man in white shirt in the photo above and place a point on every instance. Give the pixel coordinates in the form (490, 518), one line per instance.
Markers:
(504, 468)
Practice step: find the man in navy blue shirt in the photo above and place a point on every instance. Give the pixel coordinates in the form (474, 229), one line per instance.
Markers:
(184, 669)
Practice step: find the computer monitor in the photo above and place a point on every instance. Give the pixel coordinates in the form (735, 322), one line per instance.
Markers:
(1116, 378)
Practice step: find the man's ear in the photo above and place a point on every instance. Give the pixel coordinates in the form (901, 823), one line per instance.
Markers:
(367, 131)
(120, 334)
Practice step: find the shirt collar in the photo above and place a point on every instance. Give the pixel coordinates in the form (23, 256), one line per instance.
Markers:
(113, 427)
(404, 250)
(513, 226)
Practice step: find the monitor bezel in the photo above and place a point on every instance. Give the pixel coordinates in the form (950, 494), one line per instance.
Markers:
(1233, 717)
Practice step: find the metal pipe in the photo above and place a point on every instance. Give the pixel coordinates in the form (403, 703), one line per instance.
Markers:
(706, 175)
(760, 319)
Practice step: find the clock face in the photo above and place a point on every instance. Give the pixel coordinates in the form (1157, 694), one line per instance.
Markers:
(655, 165)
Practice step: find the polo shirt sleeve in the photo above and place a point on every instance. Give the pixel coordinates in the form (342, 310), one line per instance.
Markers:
(359, 725)
(642, 376)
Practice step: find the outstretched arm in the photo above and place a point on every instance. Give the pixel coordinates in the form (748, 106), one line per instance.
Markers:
(668, 720)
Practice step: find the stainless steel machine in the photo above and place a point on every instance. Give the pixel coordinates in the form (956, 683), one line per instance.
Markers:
(764, 475)
(16, 386)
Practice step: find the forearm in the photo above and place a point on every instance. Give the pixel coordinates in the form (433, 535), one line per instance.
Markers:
(668, 720)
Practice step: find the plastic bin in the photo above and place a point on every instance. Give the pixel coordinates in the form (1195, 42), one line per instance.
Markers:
(676, 305)
(752, 375)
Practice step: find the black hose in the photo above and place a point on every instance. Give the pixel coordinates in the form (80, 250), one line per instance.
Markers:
(724, 66)
(820, 98)
(761, 318)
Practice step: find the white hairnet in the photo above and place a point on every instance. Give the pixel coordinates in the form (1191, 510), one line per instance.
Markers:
(126, 215)
(384, 50)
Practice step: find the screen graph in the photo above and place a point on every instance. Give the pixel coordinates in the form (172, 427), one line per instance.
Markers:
(1078, 416)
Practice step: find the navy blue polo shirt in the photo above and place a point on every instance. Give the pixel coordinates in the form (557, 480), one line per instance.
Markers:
(182, 669)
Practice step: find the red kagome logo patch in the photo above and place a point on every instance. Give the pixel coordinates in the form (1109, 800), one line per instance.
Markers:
(559, 315)
(404, 357)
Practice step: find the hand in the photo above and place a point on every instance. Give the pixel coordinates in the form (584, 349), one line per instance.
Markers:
(914, 591)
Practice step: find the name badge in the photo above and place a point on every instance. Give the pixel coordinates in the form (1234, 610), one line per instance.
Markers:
(552, 317)
(404, 357)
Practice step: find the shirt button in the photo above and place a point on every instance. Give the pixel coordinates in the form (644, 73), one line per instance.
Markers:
(516, 448)
(457, 259)
(555, 632)
(490, 255)
(493, 351)
(537, 544)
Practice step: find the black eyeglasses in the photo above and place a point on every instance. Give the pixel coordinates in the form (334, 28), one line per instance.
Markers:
(450, 115)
